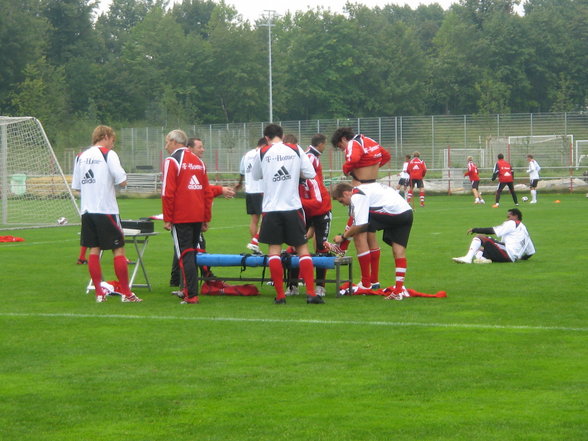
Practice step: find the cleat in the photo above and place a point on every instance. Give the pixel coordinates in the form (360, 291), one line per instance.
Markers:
(280, 301)
(130, 299)
(82, 262)
(179, 294)
(462, 259)
(254, 248)
(375, 285)
(422, 204)
(481, 260)
(320, 291)
(360, 289)
(334, 249)
(292, 291)
(482, 201)
(190, 300)
(395, 294)
(100, 299)
(495, 205)
(533, 202)
(316, 300)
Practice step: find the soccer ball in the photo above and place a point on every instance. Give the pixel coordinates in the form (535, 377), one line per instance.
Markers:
(62, 221)
(525, 198)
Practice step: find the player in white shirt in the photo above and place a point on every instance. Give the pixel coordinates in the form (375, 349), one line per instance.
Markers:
(533, 171)
(377, 207)
(515, 244)
(253, 194)
(281, 166)
(404, 177)
(96, 173)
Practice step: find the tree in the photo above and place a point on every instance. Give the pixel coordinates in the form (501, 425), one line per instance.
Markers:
(22, 42)
(43, 94)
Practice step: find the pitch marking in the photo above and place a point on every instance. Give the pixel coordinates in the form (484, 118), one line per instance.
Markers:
(304, 321)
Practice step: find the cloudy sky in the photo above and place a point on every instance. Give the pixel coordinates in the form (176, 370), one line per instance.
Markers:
(253, 9)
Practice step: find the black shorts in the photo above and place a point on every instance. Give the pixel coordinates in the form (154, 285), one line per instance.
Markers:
(254, 203)
(494, 250)
(533, 183)
(403, 182)
(102, 231)
(418, 182)
(475, 184)
(396, 227)
(278, 227)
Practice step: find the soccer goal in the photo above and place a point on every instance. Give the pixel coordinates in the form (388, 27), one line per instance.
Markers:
(548, 150)
(33, 189)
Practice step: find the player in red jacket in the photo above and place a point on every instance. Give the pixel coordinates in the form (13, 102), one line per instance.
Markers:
(417, 169)
(474, 177)
(186, 201)
(503, 171)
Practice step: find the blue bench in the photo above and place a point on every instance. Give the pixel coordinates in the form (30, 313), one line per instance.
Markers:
(288, 262)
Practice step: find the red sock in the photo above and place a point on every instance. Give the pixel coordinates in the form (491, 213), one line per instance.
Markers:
(277, 273)
(409, 197)
(375, 265)
(95, 273)
(122, 274)
(400, 273)
(422, 197)
(364, 266)
(307, 273)
(255, 239)
(83, 253)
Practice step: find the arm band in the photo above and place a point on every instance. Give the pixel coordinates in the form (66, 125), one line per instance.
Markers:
(483, 230)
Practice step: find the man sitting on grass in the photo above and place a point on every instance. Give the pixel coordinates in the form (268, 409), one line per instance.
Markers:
(516, 243)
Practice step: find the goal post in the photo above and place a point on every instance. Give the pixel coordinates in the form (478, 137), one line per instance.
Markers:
(34, 192)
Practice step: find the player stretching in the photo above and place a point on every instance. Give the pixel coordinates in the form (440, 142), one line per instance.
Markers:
(281, 166)
(363, 159)
(97, 170)
(377, 207)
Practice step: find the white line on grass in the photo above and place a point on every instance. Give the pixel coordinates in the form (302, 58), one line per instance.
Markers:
(302, 321)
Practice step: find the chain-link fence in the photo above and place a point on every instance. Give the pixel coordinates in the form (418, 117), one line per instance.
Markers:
(558, 141)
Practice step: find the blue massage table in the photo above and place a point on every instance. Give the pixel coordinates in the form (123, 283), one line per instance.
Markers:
(288, 262)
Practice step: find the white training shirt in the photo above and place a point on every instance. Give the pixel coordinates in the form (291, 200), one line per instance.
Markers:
(251, 185)
(404, 173)
(516, 239)
(281, 168)
(533, 169)
(95, 176)
(378, 198)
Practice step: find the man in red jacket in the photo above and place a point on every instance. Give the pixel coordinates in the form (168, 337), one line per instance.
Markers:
(186, 204)
(417, 169)
(505, 174)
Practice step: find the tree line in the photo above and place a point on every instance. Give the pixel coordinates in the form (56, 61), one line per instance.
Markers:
(144, 62)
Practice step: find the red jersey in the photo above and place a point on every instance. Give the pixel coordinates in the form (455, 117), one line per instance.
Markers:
(322, 193)
(503, 170)
(472, 172)
(362, 151)
(185, 193)
(417, 169)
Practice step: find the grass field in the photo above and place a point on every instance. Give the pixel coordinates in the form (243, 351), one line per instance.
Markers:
(503, 357)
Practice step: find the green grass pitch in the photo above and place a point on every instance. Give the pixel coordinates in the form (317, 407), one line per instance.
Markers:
(503, 357)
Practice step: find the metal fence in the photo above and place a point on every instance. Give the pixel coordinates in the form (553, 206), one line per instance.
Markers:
(444, 142)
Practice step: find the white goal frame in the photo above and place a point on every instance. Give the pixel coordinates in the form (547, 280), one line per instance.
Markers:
(34, 192)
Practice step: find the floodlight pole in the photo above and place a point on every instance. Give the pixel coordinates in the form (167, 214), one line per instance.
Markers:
(269, 24)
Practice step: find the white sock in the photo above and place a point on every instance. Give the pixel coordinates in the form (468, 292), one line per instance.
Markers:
(474, 247)
(534, 195)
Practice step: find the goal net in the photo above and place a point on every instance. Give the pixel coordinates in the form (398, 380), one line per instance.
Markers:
(548, 150)
(458, 158)
(33, 189)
